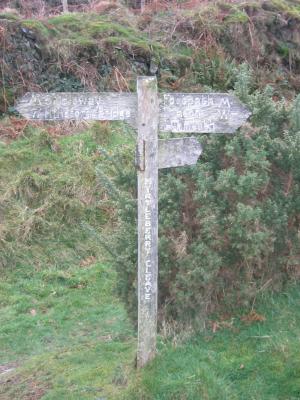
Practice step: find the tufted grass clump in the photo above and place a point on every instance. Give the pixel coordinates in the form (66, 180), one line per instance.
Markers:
(48, 187)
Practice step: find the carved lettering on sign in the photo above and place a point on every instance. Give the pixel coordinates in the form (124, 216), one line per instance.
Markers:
(179, 112)
(201, 113)
(79, 106)
(148, 240)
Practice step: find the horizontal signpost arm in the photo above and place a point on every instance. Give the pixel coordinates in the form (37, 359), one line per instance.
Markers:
(178, 152)
(201, 113)
(79, 106)
(178, 112)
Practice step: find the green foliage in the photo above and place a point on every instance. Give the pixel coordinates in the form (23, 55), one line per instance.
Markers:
(38, 27)
(197, 49)
(6, 99)
(47, 188)
(227, 225)
(291, 7)
(296, 115)
(118, 179)
(215, 73)
(12, 16)
(66, 332)
(65, 83)
(242, 360)
(237, 16)
(87, 30)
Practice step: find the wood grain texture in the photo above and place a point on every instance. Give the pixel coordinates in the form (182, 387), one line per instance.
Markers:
(201, 113)
(178, 112)
(178, 152)
(147, 219)
(79, 106)
(65, 6)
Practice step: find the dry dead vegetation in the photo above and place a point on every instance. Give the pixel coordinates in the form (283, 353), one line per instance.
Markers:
(188, 48)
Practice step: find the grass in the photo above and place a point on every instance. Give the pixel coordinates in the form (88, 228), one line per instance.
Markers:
(62, 327)
(91, 50)
(243, 360)
(37, 26)
(66, 330)
(61, 322)
(91, 30)
(237, 16)
(9, 16)
(291, 7)
(48, 188)
(70, 338)
(65, 335)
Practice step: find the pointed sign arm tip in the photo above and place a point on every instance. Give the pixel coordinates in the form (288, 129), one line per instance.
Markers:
(201, 112)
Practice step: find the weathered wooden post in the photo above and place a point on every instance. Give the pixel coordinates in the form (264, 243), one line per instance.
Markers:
(148, 112)
(65, 6)
(147, 165)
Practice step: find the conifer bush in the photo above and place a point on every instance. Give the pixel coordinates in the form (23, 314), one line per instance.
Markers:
(228, 227)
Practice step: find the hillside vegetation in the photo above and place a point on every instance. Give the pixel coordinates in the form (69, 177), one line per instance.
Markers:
(188, 49)
(64, 333)
(228, 226)
(229, 250)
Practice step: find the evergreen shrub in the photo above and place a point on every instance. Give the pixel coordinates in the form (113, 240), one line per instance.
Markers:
(229, 226)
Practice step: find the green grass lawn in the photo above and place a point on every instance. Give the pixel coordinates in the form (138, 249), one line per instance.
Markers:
(246, 359)
(66, 332)
(66, 336)
(63, 332)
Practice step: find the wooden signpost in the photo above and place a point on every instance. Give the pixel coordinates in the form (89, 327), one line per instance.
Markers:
(149, 113)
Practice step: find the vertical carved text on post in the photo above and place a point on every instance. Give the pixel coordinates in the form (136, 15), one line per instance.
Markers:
(148, 241)
(147, 218)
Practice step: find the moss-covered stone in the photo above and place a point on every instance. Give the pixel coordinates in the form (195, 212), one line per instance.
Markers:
(38, 27)
(76, 51)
